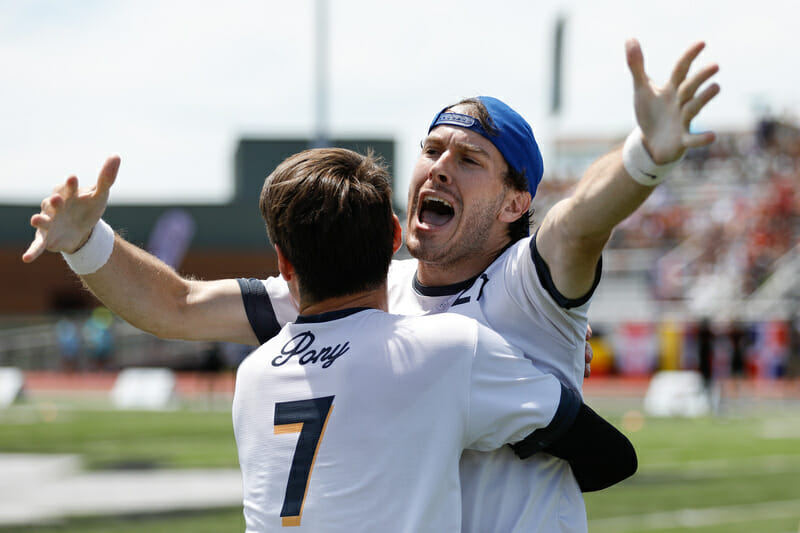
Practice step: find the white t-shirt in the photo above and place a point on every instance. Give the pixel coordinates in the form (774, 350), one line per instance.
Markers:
(515, 297)
(354, 421)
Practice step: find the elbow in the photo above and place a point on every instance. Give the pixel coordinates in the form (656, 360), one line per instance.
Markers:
(610, 470)
(631, 462)
(599, 454)
(157, 326)
(171, 325)
(565, 239)
(168, 319)
(588, 241)
(576, 223)
(161, 331)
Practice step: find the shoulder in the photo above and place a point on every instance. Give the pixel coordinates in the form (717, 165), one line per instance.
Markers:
(441, 329)
(271, 287)
(400, 284)
(438, 321)
(515, 255)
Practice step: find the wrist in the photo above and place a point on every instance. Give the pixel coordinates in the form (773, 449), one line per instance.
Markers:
(639, 163)
(82, 242)
(94, 253)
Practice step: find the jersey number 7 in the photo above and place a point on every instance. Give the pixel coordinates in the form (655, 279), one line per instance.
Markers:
(309, 418)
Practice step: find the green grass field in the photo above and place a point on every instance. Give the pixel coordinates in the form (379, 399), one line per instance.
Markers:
(722, 474)
(107, 438)
(708, 475)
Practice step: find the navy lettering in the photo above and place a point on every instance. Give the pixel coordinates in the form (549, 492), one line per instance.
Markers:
(301, 346)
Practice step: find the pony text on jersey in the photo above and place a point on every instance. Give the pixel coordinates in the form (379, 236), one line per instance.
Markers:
(301, 346)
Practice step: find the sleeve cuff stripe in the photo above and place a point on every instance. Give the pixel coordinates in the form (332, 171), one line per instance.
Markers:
(567, 410)
(258, 307)
(546, 279)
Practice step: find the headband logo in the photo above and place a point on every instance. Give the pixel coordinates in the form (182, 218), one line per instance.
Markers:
(456, 118)
(464, 121)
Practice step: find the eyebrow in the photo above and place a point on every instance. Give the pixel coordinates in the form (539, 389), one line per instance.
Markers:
(472, 148)
(462, 146)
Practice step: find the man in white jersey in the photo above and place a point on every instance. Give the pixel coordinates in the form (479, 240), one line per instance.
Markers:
(351, 419)
(465, 207)
(467, 220)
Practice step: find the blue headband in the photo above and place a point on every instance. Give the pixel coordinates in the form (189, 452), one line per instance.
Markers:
(514, 138)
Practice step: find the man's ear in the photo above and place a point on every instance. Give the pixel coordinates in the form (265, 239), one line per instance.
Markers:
(516, 203)
(284, 266)
(397, 242)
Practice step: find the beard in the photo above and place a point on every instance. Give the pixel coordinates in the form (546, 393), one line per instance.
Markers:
(471, 237)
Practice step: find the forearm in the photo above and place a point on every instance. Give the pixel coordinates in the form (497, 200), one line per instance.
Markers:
(574, 232)
(140, 288)
(604, 197)
(150, 295)
(132, 283)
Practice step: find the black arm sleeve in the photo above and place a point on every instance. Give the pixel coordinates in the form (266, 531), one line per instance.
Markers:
(259, 309)
(599, 454)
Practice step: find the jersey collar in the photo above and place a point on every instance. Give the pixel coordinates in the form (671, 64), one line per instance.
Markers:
(455, 288)
(330, 315)
(443, 290)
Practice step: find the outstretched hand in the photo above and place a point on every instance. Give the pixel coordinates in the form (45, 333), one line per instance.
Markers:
(665, 113)
(68, 216)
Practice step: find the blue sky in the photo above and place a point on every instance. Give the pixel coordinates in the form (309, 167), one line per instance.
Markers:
(171, 85)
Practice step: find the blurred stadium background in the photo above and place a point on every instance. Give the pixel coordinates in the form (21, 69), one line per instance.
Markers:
(709, 265)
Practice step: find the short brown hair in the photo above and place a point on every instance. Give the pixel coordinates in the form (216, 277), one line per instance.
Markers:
(516, 180)
(330, 212)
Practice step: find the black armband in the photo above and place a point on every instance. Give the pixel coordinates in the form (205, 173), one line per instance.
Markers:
(599, 454)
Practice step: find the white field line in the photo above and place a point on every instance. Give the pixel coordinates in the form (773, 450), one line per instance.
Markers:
(694, 518)
(728, 467)
(780, 428)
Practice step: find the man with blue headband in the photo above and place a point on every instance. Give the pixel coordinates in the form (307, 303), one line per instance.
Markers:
(468, 223)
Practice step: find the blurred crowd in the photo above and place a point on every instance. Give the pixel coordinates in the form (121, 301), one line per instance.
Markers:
(730, 210)
(766, 349)
(728, 217)
(94, 335)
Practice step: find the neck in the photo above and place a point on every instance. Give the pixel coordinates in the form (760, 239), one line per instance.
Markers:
(375, 299)
(439, 273)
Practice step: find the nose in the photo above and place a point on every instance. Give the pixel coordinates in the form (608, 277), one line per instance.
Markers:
(440, 170)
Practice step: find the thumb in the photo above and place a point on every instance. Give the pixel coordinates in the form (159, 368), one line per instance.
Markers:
(36, 248)
(108, 174)
(633, 54)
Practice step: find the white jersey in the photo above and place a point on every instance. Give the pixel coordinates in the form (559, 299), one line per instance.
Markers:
(516, 298)
(354, 420)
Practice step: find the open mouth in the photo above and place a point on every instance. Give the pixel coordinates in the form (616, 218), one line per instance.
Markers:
(435, 211)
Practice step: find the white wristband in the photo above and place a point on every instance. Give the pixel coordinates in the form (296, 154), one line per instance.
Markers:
(94, 253)
(639, 164)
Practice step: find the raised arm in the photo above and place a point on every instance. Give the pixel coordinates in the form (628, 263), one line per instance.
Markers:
(575, 230)
(134, 284)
